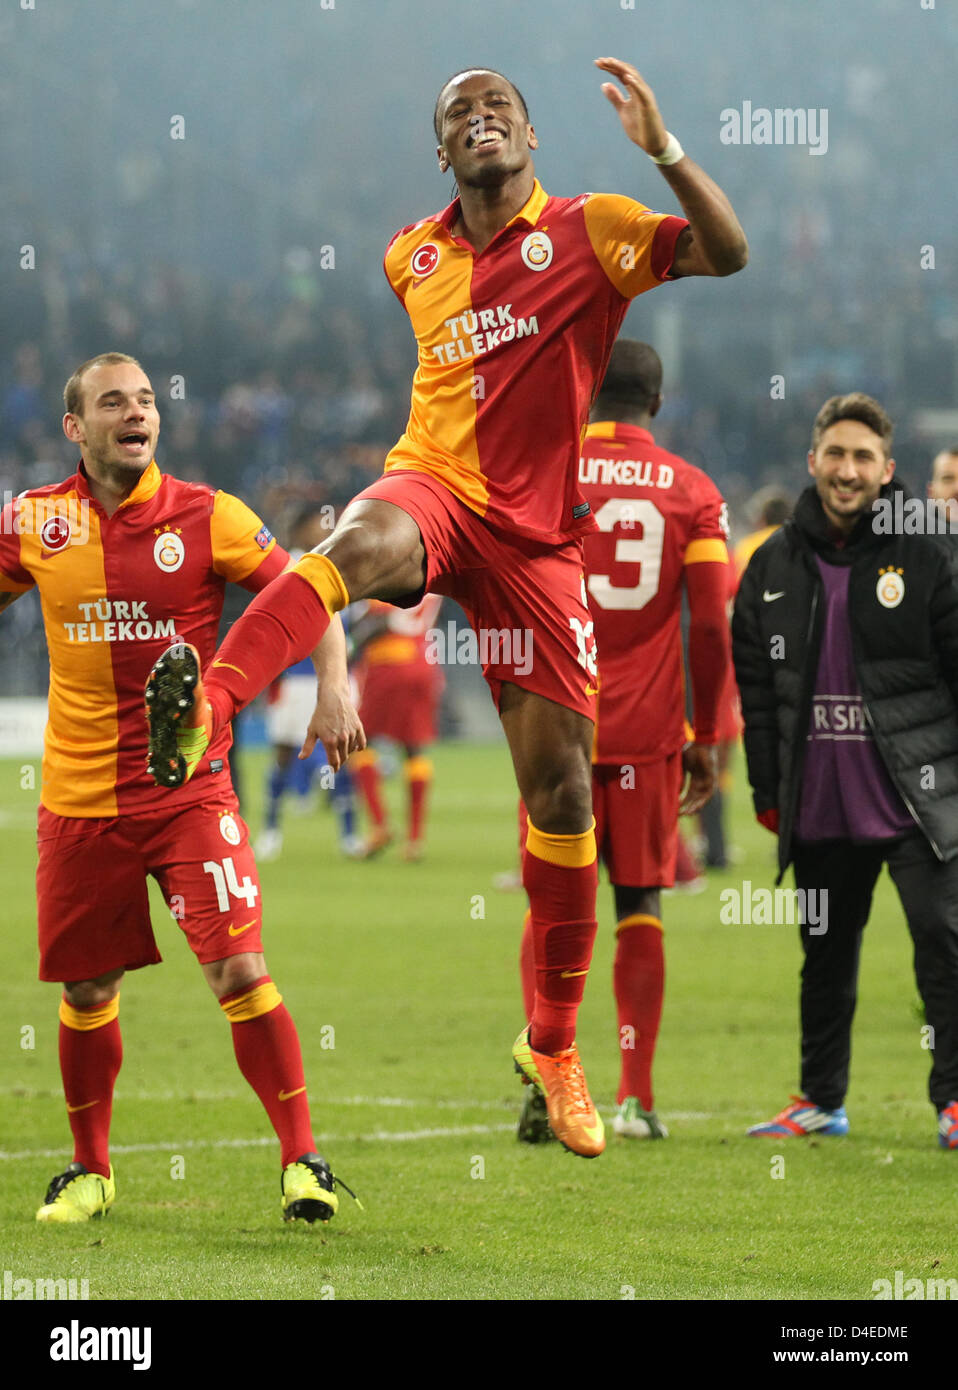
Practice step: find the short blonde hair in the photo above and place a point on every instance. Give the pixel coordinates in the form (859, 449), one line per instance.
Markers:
(73, 391)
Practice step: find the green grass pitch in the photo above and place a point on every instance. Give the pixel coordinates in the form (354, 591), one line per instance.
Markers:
(407, 1002)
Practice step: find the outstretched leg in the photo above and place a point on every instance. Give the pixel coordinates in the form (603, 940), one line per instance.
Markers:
(376, 551)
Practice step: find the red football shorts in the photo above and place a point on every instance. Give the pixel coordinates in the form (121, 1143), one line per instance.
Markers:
(400, 702)
(637, 820)
(524, 599)
(92, 902)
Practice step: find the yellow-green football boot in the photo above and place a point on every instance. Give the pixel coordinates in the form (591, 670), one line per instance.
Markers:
(78, 1195)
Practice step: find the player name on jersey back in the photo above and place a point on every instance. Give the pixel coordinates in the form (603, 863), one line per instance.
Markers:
(655, 514)
(625, 473)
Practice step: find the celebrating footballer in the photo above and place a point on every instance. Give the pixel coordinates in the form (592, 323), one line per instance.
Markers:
(515, 298)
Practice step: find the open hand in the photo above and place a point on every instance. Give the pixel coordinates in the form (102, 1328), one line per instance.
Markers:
(335, 724)
(637, 108)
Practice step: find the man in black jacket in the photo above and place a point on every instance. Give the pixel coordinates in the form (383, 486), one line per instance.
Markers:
(845, 640)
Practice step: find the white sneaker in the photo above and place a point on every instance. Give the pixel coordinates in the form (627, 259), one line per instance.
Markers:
(632, 1122)
(269, 844)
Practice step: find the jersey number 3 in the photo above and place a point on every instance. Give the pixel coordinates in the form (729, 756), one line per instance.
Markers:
(646, 553)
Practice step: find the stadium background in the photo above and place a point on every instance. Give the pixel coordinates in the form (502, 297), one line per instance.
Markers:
(309, 128)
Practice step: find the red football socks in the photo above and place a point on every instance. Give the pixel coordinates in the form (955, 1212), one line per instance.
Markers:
(91, 1051)
(639, 977)
(365, 768)
(267, 1049)
(284, 623)
(418, 772)
(560, 875)
(527, 967)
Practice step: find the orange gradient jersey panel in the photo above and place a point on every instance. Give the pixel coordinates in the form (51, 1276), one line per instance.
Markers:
(80, 745)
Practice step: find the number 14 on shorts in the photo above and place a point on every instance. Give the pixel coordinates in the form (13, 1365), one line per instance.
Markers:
(585, 641)
(226, 882)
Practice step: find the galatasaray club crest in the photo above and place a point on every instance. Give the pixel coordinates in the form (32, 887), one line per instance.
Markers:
(424, 261)
(536, 251)
(169, 551)
(890, 588)
(229, 829)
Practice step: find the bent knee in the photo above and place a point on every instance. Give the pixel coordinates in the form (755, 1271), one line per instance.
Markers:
(85, 994)
(376, 545)
(562, 805)
(235, 973)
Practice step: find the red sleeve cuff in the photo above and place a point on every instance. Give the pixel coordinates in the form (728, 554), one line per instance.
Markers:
(667, 234)
(709, 735)
(271, 568)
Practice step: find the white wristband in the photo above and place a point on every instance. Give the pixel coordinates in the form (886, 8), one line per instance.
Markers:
(672, 153)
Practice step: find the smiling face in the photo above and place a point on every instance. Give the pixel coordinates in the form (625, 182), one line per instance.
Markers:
(117, 423)
(850, 469)
(483, 128)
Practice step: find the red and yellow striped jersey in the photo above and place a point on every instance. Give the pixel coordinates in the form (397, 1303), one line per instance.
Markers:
(512, 345)
(656, 514)
(115, 591)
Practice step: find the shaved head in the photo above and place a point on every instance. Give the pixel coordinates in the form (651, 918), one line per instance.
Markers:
(458, 77)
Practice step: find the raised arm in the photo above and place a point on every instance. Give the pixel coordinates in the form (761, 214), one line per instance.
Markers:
(713, 243)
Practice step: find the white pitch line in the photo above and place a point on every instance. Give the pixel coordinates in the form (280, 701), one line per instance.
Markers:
(380, 1136)
(328, 1102)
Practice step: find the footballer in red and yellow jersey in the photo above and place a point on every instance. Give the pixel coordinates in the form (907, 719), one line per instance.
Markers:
(400, 689)
(127, 559)
(662, 528)
(511, 343)
(515, 299)
(115, 591)
(399, 686)
(659, 518)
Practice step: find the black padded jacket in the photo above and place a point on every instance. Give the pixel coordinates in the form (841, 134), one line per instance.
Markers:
(905, 654)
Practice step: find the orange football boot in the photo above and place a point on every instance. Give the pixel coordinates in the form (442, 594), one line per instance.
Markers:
(574, 1119)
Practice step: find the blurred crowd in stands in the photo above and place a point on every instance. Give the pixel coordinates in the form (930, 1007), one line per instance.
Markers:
(283, 363)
